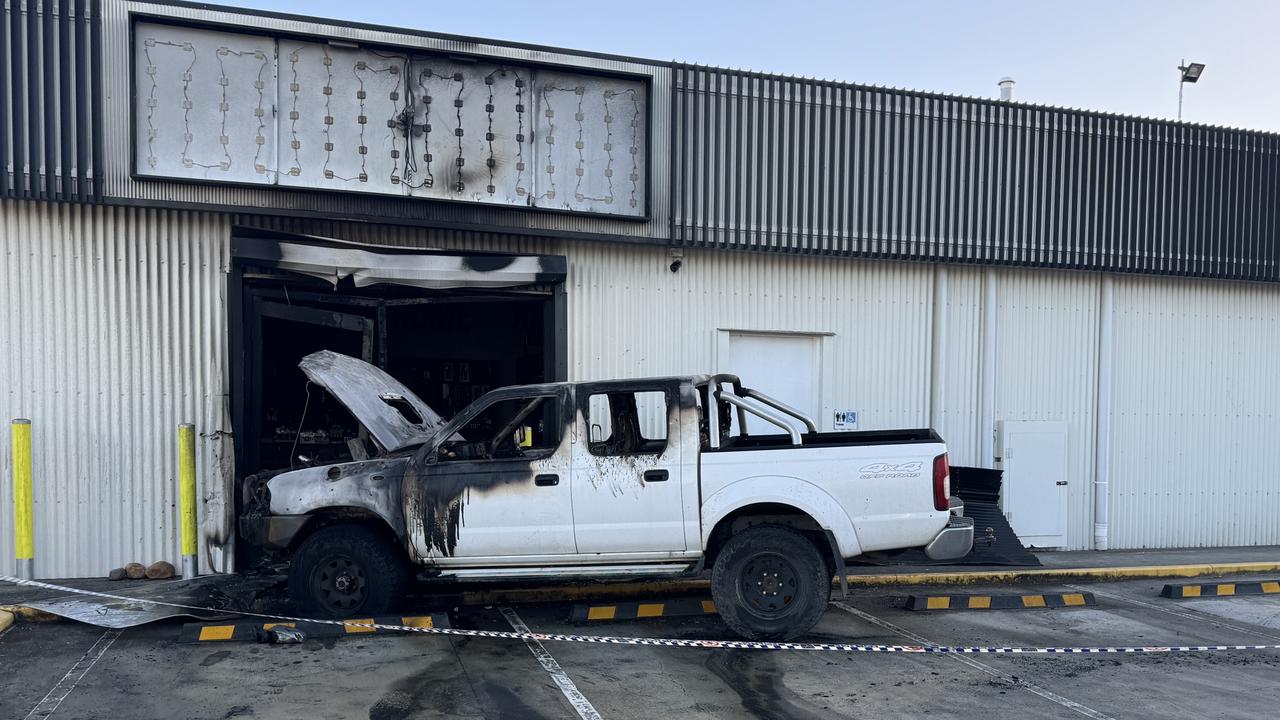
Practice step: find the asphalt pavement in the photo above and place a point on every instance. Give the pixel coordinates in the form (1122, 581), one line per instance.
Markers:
(69, 670)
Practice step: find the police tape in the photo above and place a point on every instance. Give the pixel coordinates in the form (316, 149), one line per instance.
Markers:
(674, 642)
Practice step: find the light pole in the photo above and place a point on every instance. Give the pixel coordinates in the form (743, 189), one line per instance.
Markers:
(1187, 74)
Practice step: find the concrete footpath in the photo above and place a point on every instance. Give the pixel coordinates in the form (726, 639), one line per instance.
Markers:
(1085, 565)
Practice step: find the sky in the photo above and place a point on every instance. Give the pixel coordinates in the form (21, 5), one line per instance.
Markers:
(1119, 56)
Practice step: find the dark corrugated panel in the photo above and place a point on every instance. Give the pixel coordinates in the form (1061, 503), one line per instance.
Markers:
(778, 163)
(46, 138)
(6, 100)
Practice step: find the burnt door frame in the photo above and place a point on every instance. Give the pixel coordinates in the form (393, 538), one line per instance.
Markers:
(241, 296)
(262, 307)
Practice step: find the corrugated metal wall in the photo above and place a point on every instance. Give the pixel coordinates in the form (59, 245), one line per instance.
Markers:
(957, 418)
(49, 139)
(1195, 387)
(629, 315)
(115, 332)
(115, 317)
(1196, 409)
(798, 165)
(114, 327)
(1046, 369)
(737, 159)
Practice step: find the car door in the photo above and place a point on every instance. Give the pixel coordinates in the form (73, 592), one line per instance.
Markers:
(627, 471)
(499, 487)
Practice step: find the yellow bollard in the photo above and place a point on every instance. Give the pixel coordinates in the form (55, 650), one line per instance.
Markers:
(24, 539)
(187, 497)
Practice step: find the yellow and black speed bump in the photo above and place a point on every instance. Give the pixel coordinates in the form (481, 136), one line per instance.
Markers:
(257, 631)
(999, 602)
(680, 607)
(1195, 590)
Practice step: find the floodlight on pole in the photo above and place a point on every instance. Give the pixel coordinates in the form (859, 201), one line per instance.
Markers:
(1187, 73)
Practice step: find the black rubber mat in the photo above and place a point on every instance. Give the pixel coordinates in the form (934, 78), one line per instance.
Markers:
(976, 484)
(994, 542)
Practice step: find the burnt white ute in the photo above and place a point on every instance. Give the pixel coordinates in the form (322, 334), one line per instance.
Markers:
(627, 478)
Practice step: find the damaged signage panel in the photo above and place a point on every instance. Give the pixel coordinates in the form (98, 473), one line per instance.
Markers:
(609, 479)
(239, 107)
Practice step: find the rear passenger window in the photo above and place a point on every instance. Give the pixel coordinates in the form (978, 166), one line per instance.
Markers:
(627, 423)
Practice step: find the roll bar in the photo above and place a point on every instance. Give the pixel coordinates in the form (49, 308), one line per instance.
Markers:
(737, 390)
(745, 407)
(779, 405)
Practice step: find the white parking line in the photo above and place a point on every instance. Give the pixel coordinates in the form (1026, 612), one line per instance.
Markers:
(982, 667)
(45, 707)
(571, 691)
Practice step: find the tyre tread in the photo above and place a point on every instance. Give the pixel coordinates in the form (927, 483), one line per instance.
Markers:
(385, 570)
(796, 546)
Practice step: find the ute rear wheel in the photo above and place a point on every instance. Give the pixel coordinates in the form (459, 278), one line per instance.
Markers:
(770, 583)
(342, 571)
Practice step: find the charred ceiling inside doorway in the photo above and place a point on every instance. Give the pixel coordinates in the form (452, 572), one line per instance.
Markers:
(450, 325)
(364, 265)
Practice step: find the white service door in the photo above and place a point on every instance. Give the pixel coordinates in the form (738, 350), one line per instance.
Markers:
(1034, 458)
(784, 366)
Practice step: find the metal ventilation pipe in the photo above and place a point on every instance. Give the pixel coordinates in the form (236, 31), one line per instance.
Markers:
(1006, 88)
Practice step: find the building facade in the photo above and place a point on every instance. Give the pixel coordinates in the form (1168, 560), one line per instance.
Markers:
(194, 197)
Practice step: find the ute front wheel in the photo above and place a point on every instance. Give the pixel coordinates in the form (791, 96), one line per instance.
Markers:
(346, 570)
(770, 583)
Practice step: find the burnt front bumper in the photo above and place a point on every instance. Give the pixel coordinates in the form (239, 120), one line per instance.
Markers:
(273, 532)
(954, 541)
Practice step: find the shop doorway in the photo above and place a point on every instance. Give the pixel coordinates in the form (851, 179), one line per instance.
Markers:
(449, 345)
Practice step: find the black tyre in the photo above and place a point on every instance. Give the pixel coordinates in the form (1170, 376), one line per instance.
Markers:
(346, 570)
(770, 583)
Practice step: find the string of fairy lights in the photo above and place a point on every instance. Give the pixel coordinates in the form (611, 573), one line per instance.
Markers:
(580, 91)
(518, 82)
(420, 147)
(224, 104)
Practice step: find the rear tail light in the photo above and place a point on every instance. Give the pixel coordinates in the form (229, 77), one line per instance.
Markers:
(941, 483)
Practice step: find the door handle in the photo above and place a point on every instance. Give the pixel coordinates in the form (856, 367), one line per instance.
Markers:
(546, 480)
(1062, 482)
(656, 475)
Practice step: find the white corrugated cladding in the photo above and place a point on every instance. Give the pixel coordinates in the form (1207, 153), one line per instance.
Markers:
(630, 315)
(957, 418)
(1046, 369)
(115, 325)
(1196, 407)
(115, 332)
